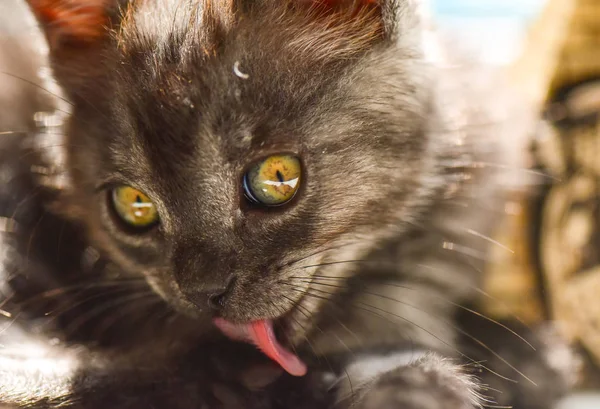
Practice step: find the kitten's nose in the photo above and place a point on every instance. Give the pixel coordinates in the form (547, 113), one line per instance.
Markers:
(213, 293)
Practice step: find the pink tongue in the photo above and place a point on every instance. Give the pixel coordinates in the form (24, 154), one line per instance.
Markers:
(261, 334)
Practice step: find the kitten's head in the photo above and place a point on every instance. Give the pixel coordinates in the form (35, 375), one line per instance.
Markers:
(230, 150)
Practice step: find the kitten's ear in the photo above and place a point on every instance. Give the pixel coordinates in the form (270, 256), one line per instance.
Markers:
(72, 24)
(349, 9)
(393, 19)
(343, 3)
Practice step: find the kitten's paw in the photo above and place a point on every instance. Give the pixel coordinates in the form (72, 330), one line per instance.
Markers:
(430, 382)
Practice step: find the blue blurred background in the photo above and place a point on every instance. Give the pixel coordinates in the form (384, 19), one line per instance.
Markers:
(495, 29)
(486, 8)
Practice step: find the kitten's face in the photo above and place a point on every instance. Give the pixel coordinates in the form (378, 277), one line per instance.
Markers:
(186, 113)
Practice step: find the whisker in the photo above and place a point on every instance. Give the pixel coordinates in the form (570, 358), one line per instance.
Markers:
(469, 262)
(36, 85)
(144, 301)
(73, 326)
(483, 316)
(456, 350)
(10, 323)
(317, 252)
(352, 394)
(489, 239)
(466, 251)
(282, 312)
(480, 291)
(39, 148)
(534, 172)
(55, 292)
(34, 192)
(487, 348)
(310, 292)
(56, 313)
(306, 314)
(430, 333)
(447, 245)
(336, 336)
(476, 289)
(331, 263)
(460, 330)
(352, 333)
(166, 312)
(317, 354)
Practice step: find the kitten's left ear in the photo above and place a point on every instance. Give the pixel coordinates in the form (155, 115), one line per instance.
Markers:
(72, 23)
(398, 19)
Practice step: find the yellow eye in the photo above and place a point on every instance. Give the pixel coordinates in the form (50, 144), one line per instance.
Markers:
(134, 207)
(274, 181)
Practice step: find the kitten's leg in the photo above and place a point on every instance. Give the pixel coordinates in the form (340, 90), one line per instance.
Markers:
(409, 380)
(411, 321)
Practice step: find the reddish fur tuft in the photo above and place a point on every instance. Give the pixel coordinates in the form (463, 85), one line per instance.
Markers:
(80, 21)
(347, 9)
(336, 4)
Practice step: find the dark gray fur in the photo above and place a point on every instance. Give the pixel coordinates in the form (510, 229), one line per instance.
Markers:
(383, 240)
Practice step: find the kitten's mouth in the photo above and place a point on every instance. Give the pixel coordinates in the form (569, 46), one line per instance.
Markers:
(261, 334)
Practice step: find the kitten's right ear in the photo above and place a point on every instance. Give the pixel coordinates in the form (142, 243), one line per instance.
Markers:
(72, 24)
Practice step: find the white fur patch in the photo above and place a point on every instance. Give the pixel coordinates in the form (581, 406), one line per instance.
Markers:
(30, 372)
(157, 21)
(366, 368)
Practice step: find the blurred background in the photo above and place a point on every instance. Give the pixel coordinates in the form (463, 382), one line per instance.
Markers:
(494, 28)
(550, 51)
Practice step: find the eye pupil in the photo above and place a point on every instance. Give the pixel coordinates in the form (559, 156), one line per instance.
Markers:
(274, 181)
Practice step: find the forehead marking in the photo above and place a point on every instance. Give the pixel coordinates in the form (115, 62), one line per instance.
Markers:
(159, 21)
(238, 72)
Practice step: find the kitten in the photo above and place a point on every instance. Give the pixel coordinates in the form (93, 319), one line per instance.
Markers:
(304, 176)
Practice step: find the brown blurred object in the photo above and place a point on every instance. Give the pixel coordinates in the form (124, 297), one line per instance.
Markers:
(554, 232)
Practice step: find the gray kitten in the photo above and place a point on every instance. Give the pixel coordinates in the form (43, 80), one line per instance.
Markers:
(316, 178)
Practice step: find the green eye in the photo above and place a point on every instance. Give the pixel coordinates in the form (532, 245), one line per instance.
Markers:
(273, 181)
(133, 207)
